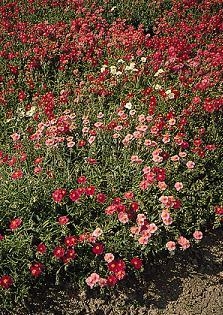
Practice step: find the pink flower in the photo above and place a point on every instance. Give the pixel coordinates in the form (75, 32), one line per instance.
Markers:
(171, 245)
(190, 164)
(182, 154)
(102, 282)
(15, 136)
(162, 185)
(123, 217)
(109, 257)
(153, 227)
(134, 230)
(97, 232)
(178, 186)
(91, 139)
(198, 235)
(92, 280)
(143, 240)
(175, 158)
(183, 242)
(141, 219)
(168, 221)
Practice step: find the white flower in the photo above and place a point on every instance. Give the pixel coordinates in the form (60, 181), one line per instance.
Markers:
(31, 112)
(157, 87)
(128, 105)
(143, 59)
(158, 72)
(113, 69)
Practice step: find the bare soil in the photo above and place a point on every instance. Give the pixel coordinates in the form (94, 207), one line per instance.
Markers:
(187, 284)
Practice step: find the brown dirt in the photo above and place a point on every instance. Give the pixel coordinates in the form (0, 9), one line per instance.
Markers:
(188, 284)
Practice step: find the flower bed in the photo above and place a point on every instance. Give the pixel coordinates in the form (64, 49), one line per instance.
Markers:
(111, 139)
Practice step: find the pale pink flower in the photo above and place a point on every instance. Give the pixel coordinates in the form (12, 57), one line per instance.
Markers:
(162, 185)
(136, 159)
(147, 142)
(143, 240)
(109, 257)
(100, 115)
(146, 169)
(142, 128)
(190, 164)
(85, 129)
(70, 144)
(37, 169)
(91, 139)
(15, 136)
(165, 214)
(183, 242)
(166, 138)
(198, 235)
(182, 154)
(171, 245)
(97, 232)
(132, 112)
(175, 158)
(118, 128)
(140, 218)
(146, 233)
(141, 118)
(157, 159)
(102, 282)
(172, 121)
(98, 124)
(178, 186)
(168, 221)
(123, 217)
(153, 227)
(92, 279)
(134, 230)
(50, 142)
(144, 184)
(116, 136)
(154, 130)
(164, 199)
(137, 135)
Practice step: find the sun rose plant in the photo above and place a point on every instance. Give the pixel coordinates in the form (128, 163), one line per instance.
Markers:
(111, 139)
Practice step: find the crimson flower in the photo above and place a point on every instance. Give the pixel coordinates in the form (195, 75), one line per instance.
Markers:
(6, 281)
(98, 248)
(136, 263)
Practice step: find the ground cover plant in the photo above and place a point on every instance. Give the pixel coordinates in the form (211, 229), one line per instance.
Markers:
(111, 138)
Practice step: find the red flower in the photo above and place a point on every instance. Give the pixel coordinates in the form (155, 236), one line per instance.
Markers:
(58, 252)
(70, 255)
(36, 269)
(6, 281)
(90, 191)
(134, 206)
(116, 265)
(41, 248)
(98, 249)
(111, 280)
(82, 180)
(59, 194)
(136, 263)
(70, 241)
(74, 195)
(219, 210)
(101, 198)
(15, 223)
(17, 174)
(63, 220)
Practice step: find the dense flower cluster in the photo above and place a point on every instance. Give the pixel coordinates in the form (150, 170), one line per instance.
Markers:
(112, 138)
